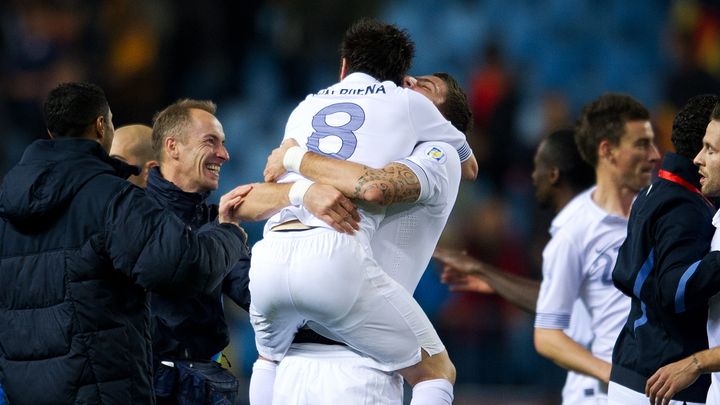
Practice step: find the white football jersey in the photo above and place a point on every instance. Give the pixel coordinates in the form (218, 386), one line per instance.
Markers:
(713, 325)
(579, 388)
(406, 239)
(365, 121)
(578, 263)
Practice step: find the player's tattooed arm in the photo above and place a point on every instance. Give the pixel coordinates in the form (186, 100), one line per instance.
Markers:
(394, 183)
(391, 184)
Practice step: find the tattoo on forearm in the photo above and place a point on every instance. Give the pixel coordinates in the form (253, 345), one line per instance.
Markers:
(396, 182)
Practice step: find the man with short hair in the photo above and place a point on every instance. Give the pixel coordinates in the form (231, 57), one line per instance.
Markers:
(190, 332)
(614, 135)
(702, 281)
(133, 145)
(559, 176)
(81, 248)
(669, 229)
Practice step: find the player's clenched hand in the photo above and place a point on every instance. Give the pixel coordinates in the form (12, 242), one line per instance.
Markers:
(331, 206)
(229, 203)
(274, 167)
(671, 379)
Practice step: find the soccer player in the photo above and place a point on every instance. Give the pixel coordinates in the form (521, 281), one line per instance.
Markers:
(614, 135)
(326, 372)
(335, 285)
(559, 175)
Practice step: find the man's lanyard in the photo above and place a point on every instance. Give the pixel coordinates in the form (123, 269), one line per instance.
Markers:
(669, 176)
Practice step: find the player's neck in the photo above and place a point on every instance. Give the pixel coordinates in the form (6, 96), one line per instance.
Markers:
(562, 197)
(611, 197)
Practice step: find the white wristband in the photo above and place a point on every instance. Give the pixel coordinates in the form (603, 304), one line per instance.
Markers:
(298, 190)
(293, 158)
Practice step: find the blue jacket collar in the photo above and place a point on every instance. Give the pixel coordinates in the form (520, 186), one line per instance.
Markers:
(683, 167)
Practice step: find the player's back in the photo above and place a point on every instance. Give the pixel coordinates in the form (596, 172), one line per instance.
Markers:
(365, 121)
(358, 119)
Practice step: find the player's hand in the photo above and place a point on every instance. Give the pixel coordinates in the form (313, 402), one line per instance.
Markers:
(469, 168)
(274, 167)
(671, 379)
(458, 260)
(229, 203)
(460, 281)
(331, 206)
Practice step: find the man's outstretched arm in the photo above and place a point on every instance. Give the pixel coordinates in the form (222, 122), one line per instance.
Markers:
(322, 200)
(464, 273)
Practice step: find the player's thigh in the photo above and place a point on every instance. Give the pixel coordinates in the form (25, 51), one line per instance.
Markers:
(326, 276)
(386, 322)
(272, 313)
(269, 264)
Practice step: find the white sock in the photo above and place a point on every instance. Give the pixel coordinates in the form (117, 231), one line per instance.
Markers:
(432, 392)
(261, 382)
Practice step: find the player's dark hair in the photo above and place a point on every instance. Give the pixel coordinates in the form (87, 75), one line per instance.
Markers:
(562, 152)
(455, 108)
(605, 118)
(380, 50)
(716, 112)
(690, 123)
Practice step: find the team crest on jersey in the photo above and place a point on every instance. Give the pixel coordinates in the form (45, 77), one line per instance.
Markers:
(436, 153)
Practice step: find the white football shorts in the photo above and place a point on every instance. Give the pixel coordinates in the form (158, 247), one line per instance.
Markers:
(330, 282)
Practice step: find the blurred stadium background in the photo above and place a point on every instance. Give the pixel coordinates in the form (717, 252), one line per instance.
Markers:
(527, 66)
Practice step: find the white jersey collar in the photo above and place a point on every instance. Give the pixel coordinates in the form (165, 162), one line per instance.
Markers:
(358, 77)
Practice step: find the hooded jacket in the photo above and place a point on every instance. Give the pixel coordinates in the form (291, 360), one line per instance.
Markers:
(185, 327)
(79, 249)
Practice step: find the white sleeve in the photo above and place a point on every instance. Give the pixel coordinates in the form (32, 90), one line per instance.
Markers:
(437, 167)
(560, 287)
(430, 125)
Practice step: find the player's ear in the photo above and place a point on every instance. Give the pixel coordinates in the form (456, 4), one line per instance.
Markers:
(605, 151)
(554, 176)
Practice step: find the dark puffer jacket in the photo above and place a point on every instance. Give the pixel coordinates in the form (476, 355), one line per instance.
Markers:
(79, 249)
(185, 327)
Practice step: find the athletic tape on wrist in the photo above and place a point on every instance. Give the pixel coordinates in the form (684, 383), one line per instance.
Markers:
(293, 158)
(298, 190)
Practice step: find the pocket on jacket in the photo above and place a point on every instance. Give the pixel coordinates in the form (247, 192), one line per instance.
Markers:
(205, 383)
